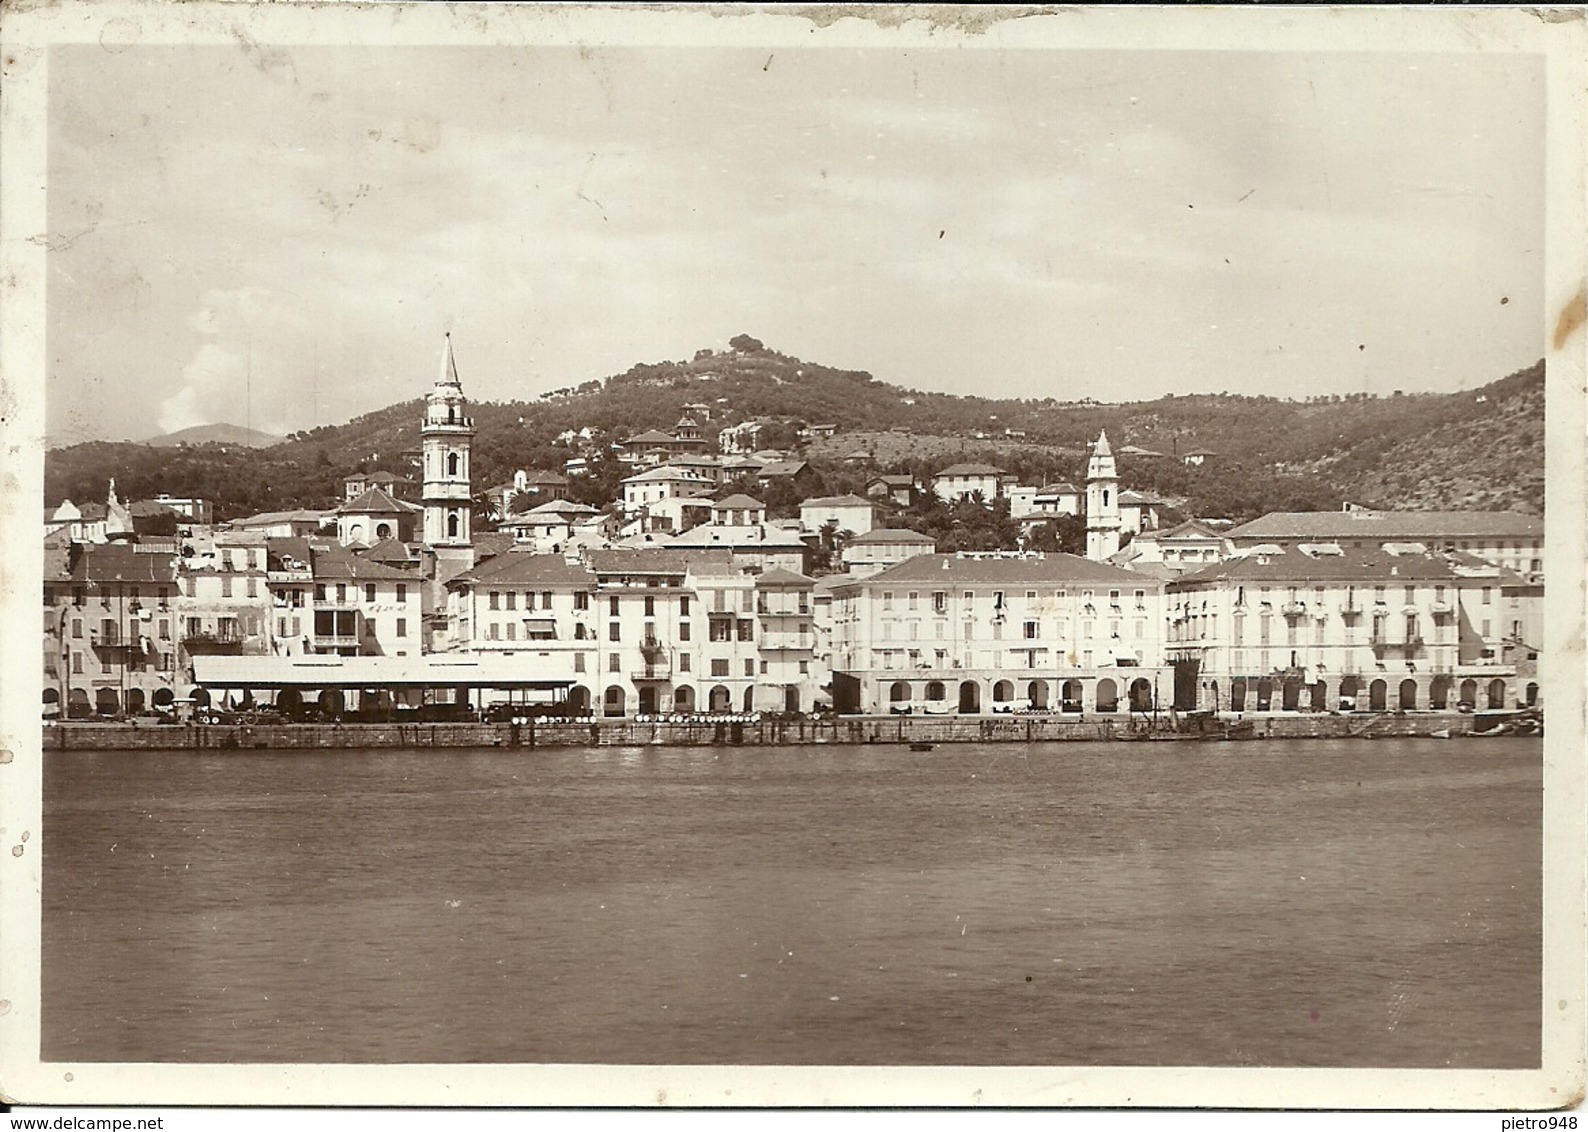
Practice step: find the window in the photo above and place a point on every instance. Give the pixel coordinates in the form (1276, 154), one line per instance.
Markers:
(77, 595)
(578, 662)
(77, 663)
(1033, 630)
(612, 605)
(1488, 596)
(650, 607)
(165, 628)
(763, 668)
(226, 585)
(402, 626)
(683, 631)
(615, 663)
(77, 626)
(581, 601)
(749, 666)
(545, 599)
(911, 598)
(887, 599)
(683, 662)
(614, 631)
(369, 592)
(1485, 629)
(493, 632)
(747, 630)
(939, 601)
(510, 599)
(341, 593)
(683, 607)
(195, 626)
(494, 600)
(719, 666)
(805, 667)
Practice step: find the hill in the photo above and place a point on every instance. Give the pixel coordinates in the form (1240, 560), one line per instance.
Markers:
(1479, 448)
(215, 434)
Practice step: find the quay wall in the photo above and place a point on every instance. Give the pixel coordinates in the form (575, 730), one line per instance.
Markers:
(626, 732)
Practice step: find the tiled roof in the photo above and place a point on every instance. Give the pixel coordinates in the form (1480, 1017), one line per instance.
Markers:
(119, 562)
(781, 577)
(270, 518)
(894, 481)
(951, 569)
(1389, 525)
(148, 508)
(971, 469)
(562, 507)
(521, 567)
(376, 501)
(1368, 564)
(1059, 489)
(338, 564)
(665, 474)
(783, 468)
(1138, 499)
(651, 436)
(838, 501)
(653, 560)
(390, 551)
(888, 536)
(1191, 528)
(759, 537)
(739, 502)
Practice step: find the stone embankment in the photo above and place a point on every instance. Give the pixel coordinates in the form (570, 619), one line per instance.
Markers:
(766, 732)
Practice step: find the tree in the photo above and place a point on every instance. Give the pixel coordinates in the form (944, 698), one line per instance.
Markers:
(747, 345)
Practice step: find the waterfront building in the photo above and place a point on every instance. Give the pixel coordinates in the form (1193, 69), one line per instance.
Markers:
(1320, 626)
(651, 631)
(223, 602)
(327, 600)
(972, 633)
(1103, 519)
(1503, 538)
(110, 632)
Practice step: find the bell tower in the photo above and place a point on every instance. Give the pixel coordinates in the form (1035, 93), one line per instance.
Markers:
(1102, 502)
(447, 434)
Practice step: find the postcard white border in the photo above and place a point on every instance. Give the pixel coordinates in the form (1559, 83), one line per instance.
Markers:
(26, 34)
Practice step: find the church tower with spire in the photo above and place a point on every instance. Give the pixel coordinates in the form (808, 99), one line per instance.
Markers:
(1102, 502)
(447, 434)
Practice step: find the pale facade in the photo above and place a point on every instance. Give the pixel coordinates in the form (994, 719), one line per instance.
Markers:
(845, 512)
(646, 632)
(966, 481)
(1320, 627)
(969, 633)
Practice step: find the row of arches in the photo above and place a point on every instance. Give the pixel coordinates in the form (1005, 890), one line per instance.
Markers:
(106, 701)
(1441, 693)
(967, 698)
(684, 699)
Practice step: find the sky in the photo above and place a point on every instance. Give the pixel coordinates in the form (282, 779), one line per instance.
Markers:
(279, 238)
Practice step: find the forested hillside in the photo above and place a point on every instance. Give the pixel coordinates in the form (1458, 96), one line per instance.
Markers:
(1481, 448)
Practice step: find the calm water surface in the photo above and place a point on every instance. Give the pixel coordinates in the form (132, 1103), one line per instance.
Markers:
(1308, 903)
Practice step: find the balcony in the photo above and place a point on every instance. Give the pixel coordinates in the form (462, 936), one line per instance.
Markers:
(661, 670)
(1442, 609)
(1293, 608)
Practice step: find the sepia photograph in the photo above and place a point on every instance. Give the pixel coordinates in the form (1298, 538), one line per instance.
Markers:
(722, 556)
